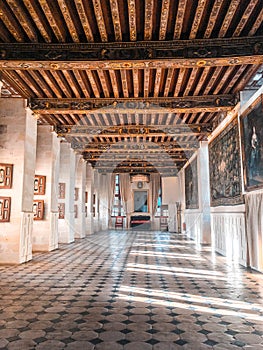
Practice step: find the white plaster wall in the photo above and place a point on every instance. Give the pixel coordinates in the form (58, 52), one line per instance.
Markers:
(18, 147)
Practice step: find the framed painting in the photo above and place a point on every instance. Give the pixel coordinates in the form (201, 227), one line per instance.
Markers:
(225, 167)
(6, 174)
(61, 190)
(5, 209)
(38, 209)
(61, 210)
(75, 211)
(252, 145)
(40, 185)
(76, 194)
(140, 201)
(191, 186)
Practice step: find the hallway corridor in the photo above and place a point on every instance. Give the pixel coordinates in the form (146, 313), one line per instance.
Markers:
(133, 291)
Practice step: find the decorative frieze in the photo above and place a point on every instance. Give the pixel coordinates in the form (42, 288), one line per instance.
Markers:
(212, 52)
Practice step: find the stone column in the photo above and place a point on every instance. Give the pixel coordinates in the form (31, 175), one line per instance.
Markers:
(89, 189)
(45, 232)
(18, 129)
(80, 229)
(104, 201)
(204, 192)
(66, 225)
(96, 217)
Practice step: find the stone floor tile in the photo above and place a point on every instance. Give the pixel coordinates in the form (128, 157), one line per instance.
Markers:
(107, 345)
(164, 327)
(84, 335)
(138, 336)
(3, 343)
(49, 344)
(6, 333)
(165, 345)
(110, 336)
(137, 346)
(166, 336)
(249, 338)
(79, 345)
(139, 326)
(32, 334)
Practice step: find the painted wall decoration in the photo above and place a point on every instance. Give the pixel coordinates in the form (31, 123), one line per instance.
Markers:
(225, 168)
(191, 186)
(6, 173)
(252, 145)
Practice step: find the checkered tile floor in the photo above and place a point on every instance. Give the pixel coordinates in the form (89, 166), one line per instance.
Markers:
(133, 291)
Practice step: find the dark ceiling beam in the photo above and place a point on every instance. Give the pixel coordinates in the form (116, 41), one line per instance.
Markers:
(189, 104)
(128, 55)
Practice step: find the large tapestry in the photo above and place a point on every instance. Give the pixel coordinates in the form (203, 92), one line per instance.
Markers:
(225, 168)
(252, 145)
(191, 186)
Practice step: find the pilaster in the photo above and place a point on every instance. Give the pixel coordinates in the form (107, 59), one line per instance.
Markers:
(45, 232)
(79, 204)
(90, 189)
(18, 147)
(66, 222)
(204, 192)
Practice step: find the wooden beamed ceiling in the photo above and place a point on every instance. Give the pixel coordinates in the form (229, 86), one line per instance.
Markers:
(129, 82)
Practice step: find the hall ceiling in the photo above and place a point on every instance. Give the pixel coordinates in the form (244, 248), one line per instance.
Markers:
(132, 84)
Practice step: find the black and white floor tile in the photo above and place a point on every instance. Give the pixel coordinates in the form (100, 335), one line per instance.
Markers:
(130, 290)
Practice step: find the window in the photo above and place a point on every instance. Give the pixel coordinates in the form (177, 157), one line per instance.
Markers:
(117, 209)
(159, 203)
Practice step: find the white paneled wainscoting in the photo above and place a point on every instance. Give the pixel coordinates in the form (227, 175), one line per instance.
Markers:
(229, 235)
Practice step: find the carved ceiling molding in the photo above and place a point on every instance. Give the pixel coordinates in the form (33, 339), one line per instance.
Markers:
(169, 171)
(194, 104)
(179, 53)
(136, 147)
(131, 130)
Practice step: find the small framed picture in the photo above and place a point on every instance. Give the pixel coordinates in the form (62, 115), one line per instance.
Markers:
(75, 211)
(76, 194)
(38, 209)
(5, 209)
(61, 190)
(61, 210)
(139, 184)
(40, 185)
(6, 174)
